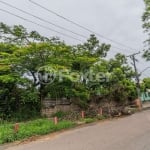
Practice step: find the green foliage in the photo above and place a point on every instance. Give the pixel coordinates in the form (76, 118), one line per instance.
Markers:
(18, 35)
(93, 47)
(24, 54)
(101, 117)
(119, 85)
(146, 26)
(88, 120)
(31, 128)
(60, 114)
(145, 84)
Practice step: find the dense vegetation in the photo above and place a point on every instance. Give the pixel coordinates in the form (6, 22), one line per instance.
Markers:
(146, 26)
(29, 61)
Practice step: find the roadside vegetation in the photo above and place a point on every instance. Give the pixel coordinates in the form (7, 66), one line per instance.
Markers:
(31, 128)
(30, 65)
(146, 26)
(87, 75)
(10, 132)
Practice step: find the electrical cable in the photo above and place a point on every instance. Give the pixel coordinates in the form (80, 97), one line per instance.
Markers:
(85, 28)
(45, 27)
(41, 19)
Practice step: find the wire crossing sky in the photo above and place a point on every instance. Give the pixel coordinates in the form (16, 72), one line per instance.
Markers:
(80, 26)
(58, 26)
(119, 21)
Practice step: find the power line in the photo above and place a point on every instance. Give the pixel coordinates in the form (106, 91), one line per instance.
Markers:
(146, 75)
(85, 28)
(45, 27)
(47, 22)
(145, 69)
(41, 19)
(118, 49)
(40, 25)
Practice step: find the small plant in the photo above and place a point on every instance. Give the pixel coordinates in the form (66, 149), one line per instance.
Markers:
(101, 117)
(90, 120)
(60, 114)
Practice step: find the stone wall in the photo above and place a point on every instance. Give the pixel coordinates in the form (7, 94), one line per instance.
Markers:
(52, 106)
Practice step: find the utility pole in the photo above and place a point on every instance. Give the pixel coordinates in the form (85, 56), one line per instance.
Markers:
(136, 74)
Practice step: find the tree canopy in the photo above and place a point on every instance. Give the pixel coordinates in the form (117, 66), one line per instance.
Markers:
(33, 67)
(146, 26)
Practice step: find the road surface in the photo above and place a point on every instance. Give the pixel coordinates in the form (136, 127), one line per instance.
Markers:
(129, 133)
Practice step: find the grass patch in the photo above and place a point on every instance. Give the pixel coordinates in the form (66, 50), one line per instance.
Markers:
(31, 128)
(38, 127)
(102, 117)
(88, 120)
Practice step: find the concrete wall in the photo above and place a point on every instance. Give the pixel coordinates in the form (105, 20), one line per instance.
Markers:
(51, 106)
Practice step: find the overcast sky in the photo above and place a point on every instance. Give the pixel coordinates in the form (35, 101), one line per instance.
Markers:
(119, 20)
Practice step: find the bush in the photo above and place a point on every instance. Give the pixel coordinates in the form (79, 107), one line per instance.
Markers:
(20, 105)
(60, 114)
(101, 117)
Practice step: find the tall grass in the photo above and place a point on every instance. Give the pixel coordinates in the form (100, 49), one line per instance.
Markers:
(31, 128)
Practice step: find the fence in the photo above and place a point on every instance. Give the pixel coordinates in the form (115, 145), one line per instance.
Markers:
(145, 96)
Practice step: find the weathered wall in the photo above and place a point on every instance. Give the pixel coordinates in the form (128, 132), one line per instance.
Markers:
(51, 106)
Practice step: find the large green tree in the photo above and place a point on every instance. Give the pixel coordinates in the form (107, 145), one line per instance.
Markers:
(28, 60)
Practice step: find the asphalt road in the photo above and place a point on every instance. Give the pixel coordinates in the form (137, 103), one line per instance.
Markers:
(129, 133)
